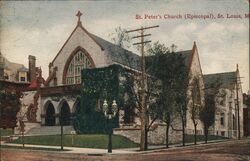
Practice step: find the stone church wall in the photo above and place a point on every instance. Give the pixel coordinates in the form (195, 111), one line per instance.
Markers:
(226, 106)
(195, 71)
(26, 100)
(57, 103)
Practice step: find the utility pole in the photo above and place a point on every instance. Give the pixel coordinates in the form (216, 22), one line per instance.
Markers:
(143, 145)
(237, 100)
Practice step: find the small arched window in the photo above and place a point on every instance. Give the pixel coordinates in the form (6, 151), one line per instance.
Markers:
(77, 63)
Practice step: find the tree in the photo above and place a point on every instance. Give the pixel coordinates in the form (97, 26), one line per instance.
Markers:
(170, 69)
(9, 104)
(21, 115)
(120, 38)
(164, 110)
(158, 60)
(141, 88)
(181, 99)
(173, 81)
(207, 114)
(133, 86)
(196, 105)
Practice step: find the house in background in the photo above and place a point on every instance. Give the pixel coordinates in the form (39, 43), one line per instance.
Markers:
(14, 78)
(226, 113)
(13, 72)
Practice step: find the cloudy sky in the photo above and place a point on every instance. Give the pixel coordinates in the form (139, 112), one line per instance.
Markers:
(41, 28)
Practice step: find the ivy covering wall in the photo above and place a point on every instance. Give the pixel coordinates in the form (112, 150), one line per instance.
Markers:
(99, 84)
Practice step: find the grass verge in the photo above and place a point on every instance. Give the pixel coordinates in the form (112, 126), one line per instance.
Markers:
(190, 138)
(31, 148)
(84, 141)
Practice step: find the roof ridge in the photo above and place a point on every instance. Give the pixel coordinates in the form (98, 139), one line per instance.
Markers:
(113, 43)
(183, 51)
(219, 73)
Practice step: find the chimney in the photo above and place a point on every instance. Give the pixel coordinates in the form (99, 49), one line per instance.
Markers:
(50, 68)
(32, 68)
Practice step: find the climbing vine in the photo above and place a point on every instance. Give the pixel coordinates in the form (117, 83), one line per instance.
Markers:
(99, 84)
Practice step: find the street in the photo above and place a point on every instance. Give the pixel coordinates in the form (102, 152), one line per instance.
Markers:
(223, 151)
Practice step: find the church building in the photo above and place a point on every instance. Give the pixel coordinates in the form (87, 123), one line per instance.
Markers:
(60, 92)
(59, 95)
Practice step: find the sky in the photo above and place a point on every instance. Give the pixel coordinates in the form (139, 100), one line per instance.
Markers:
(40, 28)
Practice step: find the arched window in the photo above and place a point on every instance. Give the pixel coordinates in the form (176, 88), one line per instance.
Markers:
(6, 76)
(77, 63)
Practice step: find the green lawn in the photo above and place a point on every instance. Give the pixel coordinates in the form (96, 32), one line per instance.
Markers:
(6, 132)
(86, 141)
(190, 138)
(95, 141)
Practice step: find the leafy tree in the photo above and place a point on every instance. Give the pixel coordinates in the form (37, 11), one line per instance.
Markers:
(158, 60)
(139, 99)
(170, 69)
(9, 104)
(207, 114)
(133, 86)
(196, 105)
(181, 107)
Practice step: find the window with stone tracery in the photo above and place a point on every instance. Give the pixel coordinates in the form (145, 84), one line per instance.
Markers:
(80, 61)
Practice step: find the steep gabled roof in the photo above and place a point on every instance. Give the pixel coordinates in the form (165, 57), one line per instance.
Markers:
(119, 54)
(128, 58)
(186, 55)
(78, 25)
(123, 56)
(227, 79)
(115, 52)
(14, 67)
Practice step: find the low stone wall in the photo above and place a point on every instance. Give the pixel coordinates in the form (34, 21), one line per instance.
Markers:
(28, 127)
(156, 135)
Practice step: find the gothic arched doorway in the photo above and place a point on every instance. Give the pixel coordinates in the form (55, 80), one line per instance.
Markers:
(76, 106)
(65, 114)
(50, 119)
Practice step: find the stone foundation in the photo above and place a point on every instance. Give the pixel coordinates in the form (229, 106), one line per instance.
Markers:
(156, 135)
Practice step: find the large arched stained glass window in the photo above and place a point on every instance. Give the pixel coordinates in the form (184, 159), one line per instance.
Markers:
(78, 62)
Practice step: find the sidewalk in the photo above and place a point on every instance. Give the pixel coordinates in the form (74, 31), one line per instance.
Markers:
(74, 149)
(91, 151)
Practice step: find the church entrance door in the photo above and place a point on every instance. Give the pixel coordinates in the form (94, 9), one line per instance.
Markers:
(50, 116)
(65, 114)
